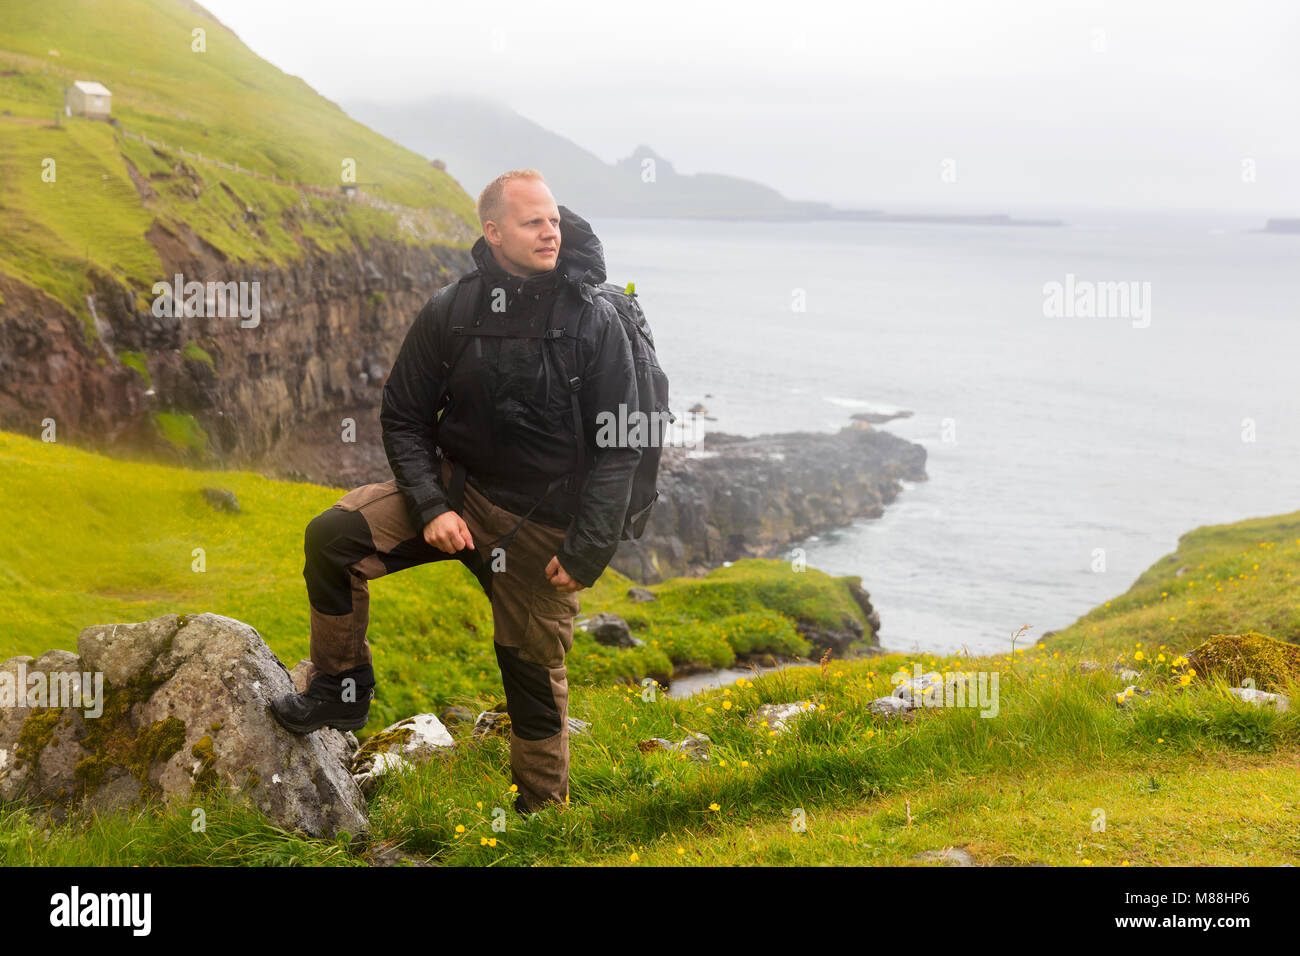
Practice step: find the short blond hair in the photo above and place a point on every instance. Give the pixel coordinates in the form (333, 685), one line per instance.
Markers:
(492, 198)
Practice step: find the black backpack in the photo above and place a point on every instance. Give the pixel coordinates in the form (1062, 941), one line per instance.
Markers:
(652, 404)
(652, 395)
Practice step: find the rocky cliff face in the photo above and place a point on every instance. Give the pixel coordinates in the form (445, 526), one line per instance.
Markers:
(276, 393)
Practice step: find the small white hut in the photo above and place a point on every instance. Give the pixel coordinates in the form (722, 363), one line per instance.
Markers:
(89, 99)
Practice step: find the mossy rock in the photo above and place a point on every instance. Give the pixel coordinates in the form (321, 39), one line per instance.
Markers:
(1235, 657)
(196, 353)
(205, 778)
(112, 742)
(380, 742)
(35, 734)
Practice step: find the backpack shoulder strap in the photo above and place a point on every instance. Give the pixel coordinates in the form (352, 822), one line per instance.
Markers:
(574, 383)
(467, 293)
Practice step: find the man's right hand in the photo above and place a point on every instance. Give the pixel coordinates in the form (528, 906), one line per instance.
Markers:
(448, 532)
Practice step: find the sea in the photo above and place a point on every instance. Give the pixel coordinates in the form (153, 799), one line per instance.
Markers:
(1085, 393)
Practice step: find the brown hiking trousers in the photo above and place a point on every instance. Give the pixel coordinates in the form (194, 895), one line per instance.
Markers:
(369, 533)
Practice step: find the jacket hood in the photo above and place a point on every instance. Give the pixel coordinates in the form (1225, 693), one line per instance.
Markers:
(580, 251)
(582, 258)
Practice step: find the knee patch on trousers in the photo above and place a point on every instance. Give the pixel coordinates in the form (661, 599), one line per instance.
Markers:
(533, 714)
(332, 540)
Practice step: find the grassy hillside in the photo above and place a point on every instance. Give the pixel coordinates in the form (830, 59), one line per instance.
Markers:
(1188, 775)
(1234, 578)
(223, 102)
(97, 540)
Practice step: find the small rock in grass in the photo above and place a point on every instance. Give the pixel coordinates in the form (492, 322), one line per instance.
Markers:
(1261, 698)
(889, 706)
(780, 716)
(951, 856)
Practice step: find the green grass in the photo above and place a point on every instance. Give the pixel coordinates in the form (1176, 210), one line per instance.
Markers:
(88, 218)
(116, 542)
(1188, 775)
(225, 102)
(1238, 577)
(138, 361)
(183, 432)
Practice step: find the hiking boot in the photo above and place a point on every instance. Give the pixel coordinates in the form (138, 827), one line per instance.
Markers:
(303, 713)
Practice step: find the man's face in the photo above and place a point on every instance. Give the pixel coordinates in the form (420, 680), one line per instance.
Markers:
(526, 240)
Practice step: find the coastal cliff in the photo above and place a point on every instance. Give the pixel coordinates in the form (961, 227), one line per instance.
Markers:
(330, 327)
(753, 497)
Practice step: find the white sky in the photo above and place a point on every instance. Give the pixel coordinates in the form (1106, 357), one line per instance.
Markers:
(1043, 104)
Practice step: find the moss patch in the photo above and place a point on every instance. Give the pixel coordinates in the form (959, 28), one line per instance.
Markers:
(36, 732)
(196, 353)
(112, 742)
(381, 742)
(182, 432)
(206, 777)
(137, 361)
(1271, 664)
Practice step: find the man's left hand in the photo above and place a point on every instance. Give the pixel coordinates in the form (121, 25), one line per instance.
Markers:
(559, 578)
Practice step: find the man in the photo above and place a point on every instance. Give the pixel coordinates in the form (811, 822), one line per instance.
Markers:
(489, 466)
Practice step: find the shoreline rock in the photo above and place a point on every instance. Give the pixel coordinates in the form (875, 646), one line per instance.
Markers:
(755, 497)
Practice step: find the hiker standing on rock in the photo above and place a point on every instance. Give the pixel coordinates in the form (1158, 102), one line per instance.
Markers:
(524, 358)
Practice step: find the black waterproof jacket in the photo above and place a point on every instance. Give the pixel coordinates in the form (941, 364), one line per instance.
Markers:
(508, 416)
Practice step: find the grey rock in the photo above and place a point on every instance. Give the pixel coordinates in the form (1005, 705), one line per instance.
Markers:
(416, 740)
(193, 692)
(610, 630)
(641, 595)
(1261, 698)
(694, 746)
(124, 651)
(455, 714)
(930, 689)
(378, 766)
(779, 717)
(951, 856)
(221, 499)
(1129, 694)
(890, 706)
(385, 854)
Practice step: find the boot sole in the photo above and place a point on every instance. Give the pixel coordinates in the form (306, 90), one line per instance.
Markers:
(355, 723)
